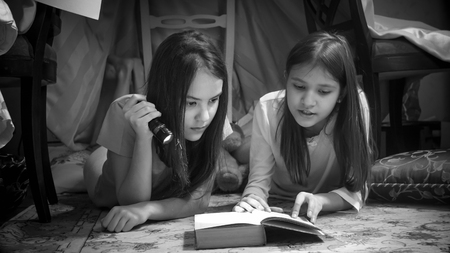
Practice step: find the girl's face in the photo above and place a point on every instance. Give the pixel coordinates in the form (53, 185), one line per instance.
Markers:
(311, 96)
(202, 102)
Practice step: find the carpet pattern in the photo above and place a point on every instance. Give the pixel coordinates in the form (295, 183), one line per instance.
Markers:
(378, 227)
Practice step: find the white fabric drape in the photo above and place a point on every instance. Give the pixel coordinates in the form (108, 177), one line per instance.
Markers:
(431, 39)
(83, 47)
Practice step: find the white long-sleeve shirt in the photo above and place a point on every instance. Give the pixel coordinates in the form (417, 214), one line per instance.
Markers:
(268, 173)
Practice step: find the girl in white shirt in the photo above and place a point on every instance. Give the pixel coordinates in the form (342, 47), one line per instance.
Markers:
(311, 141)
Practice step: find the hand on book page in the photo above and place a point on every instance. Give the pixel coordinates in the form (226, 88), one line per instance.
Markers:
(287, 211)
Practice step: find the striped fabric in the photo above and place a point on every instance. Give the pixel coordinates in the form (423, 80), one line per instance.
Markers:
(83, 47)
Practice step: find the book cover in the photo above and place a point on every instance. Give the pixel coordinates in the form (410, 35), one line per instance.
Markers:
(233, 229)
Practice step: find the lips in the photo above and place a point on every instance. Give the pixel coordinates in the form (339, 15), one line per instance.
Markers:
(306, 113)
(199, 128)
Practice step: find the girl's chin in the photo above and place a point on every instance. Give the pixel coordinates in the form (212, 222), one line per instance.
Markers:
(306, 123)
(193, 137)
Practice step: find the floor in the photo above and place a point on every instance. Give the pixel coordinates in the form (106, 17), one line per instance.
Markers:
(26, 202)
(378, 227)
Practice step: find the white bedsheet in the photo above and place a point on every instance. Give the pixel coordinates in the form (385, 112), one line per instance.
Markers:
(432, 40)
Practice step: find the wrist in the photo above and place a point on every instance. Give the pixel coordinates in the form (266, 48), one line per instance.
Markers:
(144, 138)
(148, 209)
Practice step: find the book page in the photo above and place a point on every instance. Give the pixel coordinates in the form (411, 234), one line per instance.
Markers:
(294, 227)
(274, 215)
(209, 220)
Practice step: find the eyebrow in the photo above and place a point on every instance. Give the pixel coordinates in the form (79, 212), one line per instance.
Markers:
(194, 98)
(321, 84)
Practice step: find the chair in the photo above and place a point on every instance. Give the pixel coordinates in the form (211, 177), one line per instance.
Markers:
(225, 21)
(33, 61)
(391, 59)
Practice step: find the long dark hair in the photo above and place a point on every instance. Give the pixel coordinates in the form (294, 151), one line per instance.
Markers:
(354, 153)
(174, 66)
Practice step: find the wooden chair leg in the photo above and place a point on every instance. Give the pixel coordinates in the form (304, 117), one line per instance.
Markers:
(30, 115)
(48, 177)
(396, 88)
(376, 111)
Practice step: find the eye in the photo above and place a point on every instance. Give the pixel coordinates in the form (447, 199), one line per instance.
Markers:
(191, 103)
(324, 91)
(214, 100)
(299, 86)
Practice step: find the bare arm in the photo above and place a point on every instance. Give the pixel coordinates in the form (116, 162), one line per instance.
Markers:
(124, 218)
(173, 208)
(133, 176)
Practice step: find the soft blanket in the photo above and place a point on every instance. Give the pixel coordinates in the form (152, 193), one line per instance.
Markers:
(432, 40)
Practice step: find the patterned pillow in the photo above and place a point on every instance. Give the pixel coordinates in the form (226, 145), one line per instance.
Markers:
(415, 176)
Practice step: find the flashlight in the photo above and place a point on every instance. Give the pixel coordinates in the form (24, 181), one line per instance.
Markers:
(160, 131)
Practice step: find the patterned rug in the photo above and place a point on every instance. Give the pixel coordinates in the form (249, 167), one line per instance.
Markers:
(378, 227)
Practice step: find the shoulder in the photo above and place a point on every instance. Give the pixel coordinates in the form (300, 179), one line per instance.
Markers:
(115, 113)
(116, 133)
(272, 100)
(115, 110)
(273, 96)
(268, 108)
(120, 101)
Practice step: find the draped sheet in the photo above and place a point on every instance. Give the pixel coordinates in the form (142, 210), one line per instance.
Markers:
(83, 47)
(430, 39)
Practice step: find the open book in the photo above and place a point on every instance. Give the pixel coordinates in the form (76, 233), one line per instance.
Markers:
(233, 229)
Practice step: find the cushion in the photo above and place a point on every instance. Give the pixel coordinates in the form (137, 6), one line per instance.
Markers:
(17, 61)
(415, 176)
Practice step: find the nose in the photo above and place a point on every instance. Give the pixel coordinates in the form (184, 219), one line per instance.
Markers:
(308, 100)
(203, 114)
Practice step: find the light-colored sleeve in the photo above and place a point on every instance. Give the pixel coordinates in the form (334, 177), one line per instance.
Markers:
(116, 133)
(227, 129)
(353, 198)
(366, 111)
(262, 160)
